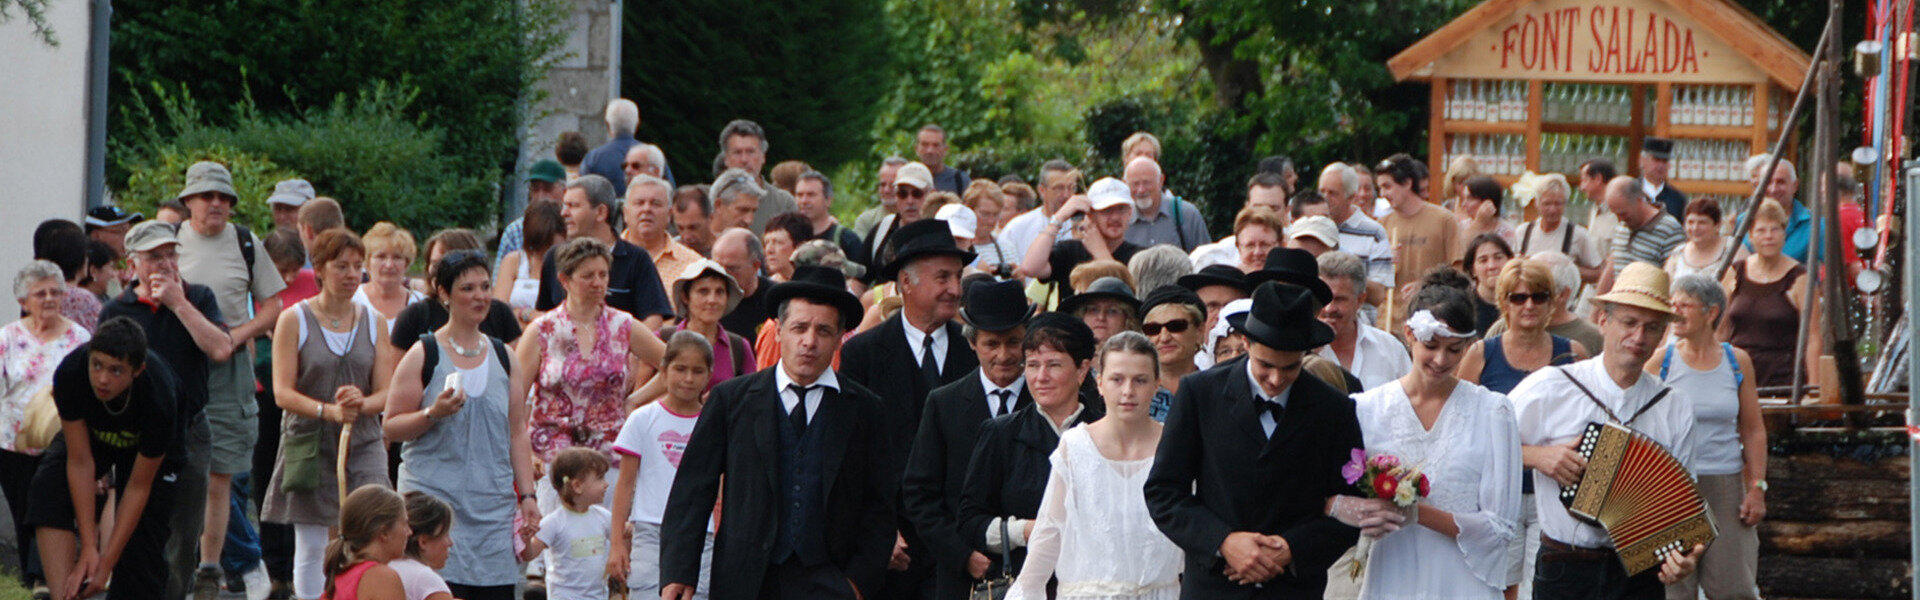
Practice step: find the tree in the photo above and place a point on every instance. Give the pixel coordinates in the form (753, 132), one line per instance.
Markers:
(35, 12)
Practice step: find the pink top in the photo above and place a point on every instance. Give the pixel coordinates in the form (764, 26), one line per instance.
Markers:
(579, 394)
(346, 586)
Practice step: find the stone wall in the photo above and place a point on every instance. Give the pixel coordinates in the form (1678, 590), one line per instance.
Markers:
(580, 84)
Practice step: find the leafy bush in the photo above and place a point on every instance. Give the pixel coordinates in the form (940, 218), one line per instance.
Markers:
(363, 151)
(162, 174)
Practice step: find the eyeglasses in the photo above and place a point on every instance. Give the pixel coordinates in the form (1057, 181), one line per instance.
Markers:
(910, 191)
(1688, 306)
(1174, 326)
(1536, 297)
(636, 165)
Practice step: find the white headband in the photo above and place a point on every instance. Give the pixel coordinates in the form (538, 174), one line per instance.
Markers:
(1425, 326)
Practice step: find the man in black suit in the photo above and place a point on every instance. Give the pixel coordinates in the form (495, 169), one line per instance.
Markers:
(1656, 158)
(809, 505)
(1249, 459)
(905, 357)
(996, 317)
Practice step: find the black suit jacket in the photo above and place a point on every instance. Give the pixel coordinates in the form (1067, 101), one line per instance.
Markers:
(1673, 200)
(880, 360)
(936, 470)
(1008, 472)
(738, 437)
(1216, 472)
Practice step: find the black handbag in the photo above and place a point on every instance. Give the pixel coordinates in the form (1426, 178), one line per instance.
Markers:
(997, 587)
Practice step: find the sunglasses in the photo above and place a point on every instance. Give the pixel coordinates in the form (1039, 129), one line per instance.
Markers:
(1536, 297)
(910, 191)
(1175, 326)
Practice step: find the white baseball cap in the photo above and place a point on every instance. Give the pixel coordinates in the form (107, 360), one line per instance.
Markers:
(960, 219)
(1108, 192)
(1316, 226)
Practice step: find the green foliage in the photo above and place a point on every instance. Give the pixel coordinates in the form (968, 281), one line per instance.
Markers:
(161, 175)
(35, 12)
(363, 151)
(809, 71)
(1203, 152)
(471, 61)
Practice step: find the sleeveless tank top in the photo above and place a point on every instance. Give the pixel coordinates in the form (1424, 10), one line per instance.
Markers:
(1500, 375)
(346, 586)
(1761, 321)
(526, 288)
(321, 372)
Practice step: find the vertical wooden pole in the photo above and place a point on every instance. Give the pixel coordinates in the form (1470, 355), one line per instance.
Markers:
(1536, 114)
(1437, 125)
(1762, 103)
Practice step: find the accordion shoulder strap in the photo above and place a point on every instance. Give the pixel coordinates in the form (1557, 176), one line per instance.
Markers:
(1662, 395)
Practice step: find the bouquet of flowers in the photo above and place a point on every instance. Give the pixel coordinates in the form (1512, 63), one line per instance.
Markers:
(1383, 477)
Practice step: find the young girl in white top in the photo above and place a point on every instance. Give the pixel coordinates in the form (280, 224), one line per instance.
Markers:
(432, 521)
(1093, 532)
(1463, 437)
(580, 531)
(652, 440)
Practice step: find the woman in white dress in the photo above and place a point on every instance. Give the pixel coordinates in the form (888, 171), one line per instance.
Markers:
(1466, 441)
(390, 250)
(1093, 532)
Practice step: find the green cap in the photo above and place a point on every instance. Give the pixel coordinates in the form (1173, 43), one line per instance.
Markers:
(547, 170)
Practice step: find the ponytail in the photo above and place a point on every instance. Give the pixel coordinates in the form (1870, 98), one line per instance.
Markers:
(368, 511)
(338, 559)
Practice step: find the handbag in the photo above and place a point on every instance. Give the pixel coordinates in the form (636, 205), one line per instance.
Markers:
(996, 588)
(300, 462)
(40, 423)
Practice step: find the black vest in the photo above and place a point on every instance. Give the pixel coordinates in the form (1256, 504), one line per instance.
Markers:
(802, 497)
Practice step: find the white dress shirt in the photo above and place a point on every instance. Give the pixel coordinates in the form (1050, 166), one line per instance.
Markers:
(1378, 358)
(826, 380)
(1552, 411)
(917, 339)
(1013, 398)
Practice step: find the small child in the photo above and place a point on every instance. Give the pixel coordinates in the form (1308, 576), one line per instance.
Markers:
(580, 531)
(652, 440)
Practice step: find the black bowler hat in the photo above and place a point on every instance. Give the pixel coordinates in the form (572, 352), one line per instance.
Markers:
(1104, 287)
(925, 237)
(1283, 318)
(1295, 266)
(1227, 275)
(824, 285)
(1661, 148)
(1172, 294)
(997, 306)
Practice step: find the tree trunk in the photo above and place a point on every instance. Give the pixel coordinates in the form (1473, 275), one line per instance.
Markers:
(1233, 78)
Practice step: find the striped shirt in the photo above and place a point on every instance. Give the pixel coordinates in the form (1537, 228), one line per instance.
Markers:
(1362, 236)
(1650, 243)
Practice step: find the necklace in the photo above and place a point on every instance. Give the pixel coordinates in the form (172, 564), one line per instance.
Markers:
(463, 351)
(333, 322)
(126, 400)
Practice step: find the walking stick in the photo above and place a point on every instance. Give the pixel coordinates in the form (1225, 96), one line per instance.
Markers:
(340, 462)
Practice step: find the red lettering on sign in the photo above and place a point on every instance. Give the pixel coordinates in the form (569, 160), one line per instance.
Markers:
(1542, 41)
(1687, 62)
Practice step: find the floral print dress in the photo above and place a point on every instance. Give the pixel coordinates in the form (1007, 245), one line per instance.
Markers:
(579, 394)
(26, 367)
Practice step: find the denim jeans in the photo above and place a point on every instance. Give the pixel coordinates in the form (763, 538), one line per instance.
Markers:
(242, 549)
(1591, 580)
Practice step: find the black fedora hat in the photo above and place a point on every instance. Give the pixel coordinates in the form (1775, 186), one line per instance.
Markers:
(1104, 287)
(824, 285)
(1227, 275)
(1283, 318)
(1295, 266)
(996, 306)
(925, 237)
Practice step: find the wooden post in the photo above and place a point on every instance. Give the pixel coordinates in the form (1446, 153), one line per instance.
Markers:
(1437, 125)
(1536, 114)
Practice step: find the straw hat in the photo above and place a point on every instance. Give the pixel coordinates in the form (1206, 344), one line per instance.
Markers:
(1643, 285)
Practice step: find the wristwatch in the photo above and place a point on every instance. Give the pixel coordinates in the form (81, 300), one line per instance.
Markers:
(1057, 222)
(1760, 485)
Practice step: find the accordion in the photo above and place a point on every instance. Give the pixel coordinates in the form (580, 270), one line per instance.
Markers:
(1640, 494)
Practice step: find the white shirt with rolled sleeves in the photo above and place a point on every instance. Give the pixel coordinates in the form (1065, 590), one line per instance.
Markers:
(1378, 358)
(1552, 411)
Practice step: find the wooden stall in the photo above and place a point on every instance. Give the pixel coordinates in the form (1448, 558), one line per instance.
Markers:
(1543, 85)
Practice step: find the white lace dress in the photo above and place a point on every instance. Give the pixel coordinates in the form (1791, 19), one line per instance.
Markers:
(1094, 532)
(1472, 461)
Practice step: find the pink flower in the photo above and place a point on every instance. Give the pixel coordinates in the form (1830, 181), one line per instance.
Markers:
(1384, 487)
(1355, 468)
(1384, 462)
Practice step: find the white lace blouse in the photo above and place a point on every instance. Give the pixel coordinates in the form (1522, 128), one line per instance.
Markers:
(1094, 532)
(1472, 461)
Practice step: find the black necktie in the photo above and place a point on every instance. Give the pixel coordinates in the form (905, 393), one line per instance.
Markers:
(928, 367)
(1005, 399)
(798, 416)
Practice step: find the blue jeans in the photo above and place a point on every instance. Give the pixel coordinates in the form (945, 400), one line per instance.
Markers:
(1559, 578)
(242, 550)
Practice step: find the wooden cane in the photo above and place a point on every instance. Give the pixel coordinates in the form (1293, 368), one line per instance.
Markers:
(340, 462)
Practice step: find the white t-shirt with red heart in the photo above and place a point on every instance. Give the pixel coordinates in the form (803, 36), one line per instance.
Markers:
(656, 438)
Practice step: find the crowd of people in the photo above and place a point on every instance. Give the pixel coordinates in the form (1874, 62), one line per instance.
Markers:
(1049, 389)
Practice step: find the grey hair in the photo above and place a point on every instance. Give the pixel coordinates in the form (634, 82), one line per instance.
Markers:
(731, 184)
(1349, 179)
(894, 161)
(36, 272)
(645, 179)
(1346, 265)
(1163, 264)
(654, 154)
(1131, 342)
(1554, 183)
(623, 116)
(1566, 276)
(1631, 186)
(600, 193)
(1054, 166)
(1758, 162)
(754, 250)
(826, 185)
(1704, 289)
(738, 127)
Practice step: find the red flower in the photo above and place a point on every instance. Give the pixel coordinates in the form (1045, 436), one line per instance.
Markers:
(1422, 486)
(1384, 486)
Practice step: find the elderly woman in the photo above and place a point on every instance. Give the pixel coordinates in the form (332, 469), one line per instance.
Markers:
(462, 434)
(1487, 253)
(1763, 301)
(1729, 437)
(785, 232)
(518, 282)
(1705, 249)
(30, 348)
(1257, 230)
(1009, 470)
(1158, 266)
(574, 361)
(1171, 318)
(389, 251)
(331, 367)
(703, 293)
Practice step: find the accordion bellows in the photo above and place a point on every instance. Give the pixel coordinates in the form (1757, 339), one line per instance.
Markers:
(1640, 494)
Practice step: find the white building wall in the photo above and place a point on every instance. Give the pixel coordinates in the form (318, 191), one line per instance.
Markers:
(43, 133)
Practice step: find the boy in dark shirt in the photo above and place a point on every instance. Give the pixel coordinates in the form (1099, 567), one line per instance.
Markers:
(118, 397)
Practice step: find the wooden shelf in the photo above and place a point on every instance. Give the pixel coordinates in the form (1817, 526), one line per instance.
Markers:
(1587, 129)
(1711, 132)
(1487, 127)
(1714, 188)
